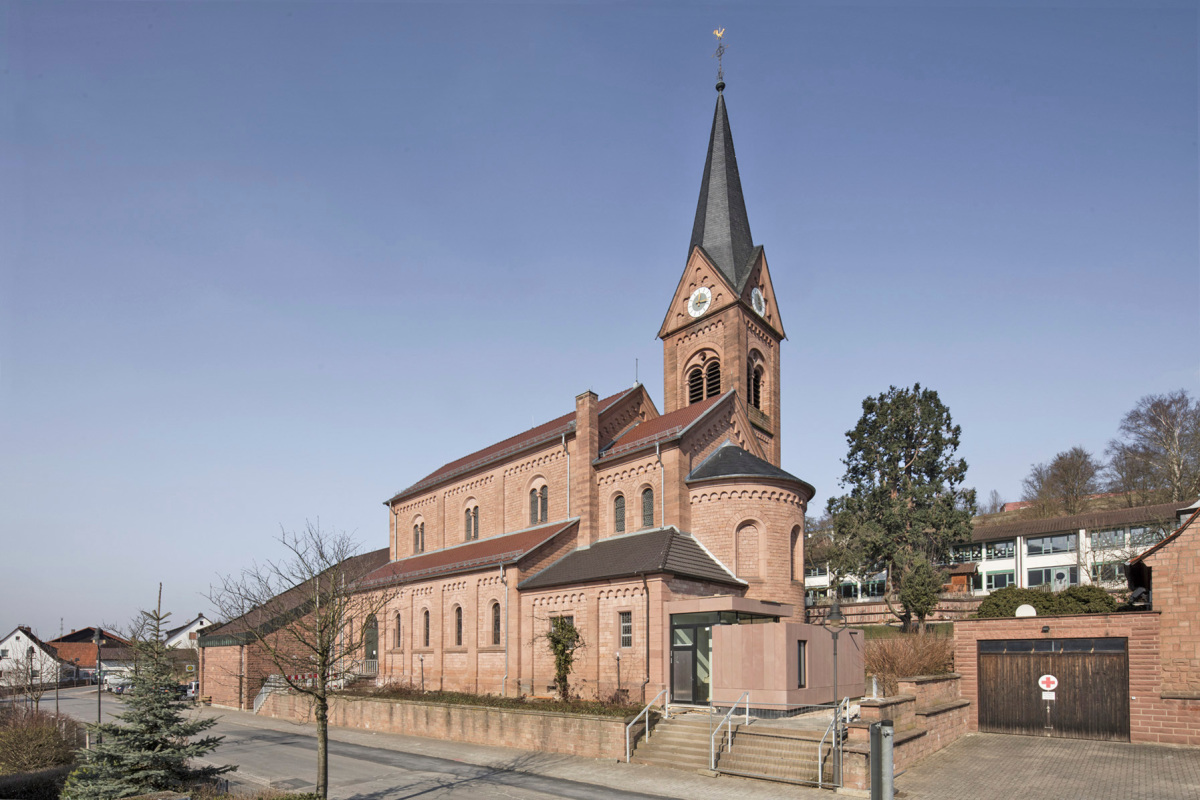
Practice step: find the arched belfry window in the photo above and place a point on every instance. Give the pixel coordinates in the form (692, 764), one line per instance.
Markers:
(619, 514)
(712, 379)
(754, 376)
(695, 385)
(647, 508)
(544, 502)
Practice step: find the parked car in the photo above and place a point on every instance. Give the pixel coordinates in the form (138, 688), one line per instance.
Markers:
(192, 689)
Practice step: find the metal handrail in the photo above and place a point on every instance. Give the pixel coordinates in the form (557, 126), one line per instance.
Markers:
(712, 740)
(837, 715)
(646, 712)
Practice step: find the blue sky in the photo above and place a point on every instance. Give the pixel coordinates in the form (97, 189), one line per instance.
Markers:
(269, 262)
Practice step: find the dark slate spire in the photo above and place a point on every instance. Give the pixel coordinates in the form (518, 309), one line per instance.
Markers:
(722, 227)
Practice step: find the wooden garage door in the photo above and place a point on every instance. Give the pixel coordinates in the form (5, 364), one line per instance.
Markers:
(1090, 702)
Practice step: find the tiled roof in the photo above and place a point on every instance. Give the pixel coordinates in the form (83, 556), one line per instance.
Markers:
(49, 649)
(661, 429)
(171, 633)
(86, 634)
(1163, 512)
(500, 450)
(481, 554)
(354, 568)
(966, 568)
(731, 461)
(644, 553)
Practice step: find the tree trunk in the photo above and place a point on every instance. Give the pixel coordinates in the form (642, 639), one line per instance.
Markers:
(322, 710)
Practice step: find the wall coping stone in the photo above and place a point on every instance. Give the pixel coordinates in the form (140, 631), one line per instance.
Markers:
(933, 711)
(949, 676)
(507, 710)
(884, 702)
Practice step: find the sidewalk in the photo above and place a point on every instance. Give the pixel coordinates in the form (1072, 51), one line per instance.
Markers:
(632, 778)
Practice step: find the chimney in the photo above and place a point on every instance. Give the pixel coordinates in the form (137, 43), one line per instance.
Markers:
(584, 492)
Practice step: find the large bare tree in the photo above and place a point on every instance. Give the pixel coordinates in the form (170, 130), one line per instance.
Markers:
(1062, 485)
(1158, 451)
(306, 614)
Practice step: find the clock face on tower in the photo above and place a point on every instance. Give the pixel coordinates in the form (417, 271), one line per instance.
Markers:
(699, 301)
(756, 300)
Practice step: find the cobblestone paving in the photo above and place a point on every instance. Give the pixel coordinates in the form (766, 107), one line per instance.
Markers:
(1034, 768)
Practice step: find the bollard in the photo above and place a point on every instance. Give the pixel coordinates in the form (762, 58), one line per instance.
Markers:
(882, 767)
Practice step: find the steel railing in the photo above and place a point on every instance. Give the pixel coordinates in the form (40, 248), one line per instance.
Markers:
(835, 745)
(712, 740)
(646, 712)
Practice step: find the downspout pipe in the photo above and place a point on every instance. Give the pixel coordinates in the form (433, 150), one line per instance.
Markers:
(504, 583)
(646, 592)
(662, 488)
(568, 452)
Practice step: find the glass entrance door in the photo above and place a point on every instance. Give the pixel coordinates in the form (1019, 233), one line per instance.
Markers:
(691, 663)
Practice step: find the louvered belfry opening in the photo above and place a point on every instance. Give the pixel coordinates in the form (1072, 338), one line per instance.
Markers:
(712, 376)
(695, 386)
(754, 386)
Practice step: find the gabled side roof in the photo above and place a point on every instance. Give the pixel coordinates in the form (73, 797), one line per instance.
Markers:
(1162, 512)
(644, 553)
(176, 631)
(666, 428)
(25, 631)
(87, 635)
(546, 432)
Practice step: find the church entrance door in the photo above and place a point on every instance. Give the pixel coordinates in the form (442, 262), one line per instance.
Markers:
(691, 662)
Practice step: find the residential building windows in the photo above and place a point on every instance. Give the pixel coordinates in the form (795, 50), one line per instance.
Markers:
(647, 508)
(815, 572)
(1049, 545)
(458, 626)
(426, 624)
(695, 386)
(999, 580)
(963, 553)
(872, 589)
(625, 620)
(471, 523)
(619, 514)
(544, 502)
(1111, 572)
(1005, 549)
(1054, 576)
(419, 538)
(1144, 537)
(1109, 539)
(495, 623)
(801, 665)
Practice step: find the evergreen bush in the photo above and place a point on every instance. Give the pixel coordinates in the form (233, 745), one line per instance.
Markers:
(1073, 600)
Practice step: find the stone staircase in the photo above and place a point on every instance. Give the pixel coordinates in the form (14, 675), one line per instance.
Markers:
(759, 751)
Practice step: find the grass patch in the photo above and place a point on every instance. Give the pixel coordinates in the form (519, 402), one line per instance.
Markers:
(592, 708)
(892, 631)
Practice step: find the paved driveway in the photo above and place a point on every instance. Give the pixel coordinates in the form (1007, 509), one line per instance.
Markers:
(1036, 768)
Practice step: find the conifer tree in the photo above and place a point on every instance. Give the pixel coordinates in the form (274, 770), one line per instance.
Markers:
(150, 749)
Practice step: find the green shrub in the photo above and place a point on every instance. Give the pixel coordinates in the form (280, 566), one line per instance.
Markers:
(41, 785)
(1074, 600)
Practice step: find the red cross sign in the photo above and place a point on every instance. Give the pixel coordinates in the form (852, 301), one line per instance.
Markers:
(1048, 683)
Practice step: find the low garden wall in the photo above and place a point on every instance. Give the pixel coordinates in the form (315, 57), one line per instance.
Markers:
(548, 731)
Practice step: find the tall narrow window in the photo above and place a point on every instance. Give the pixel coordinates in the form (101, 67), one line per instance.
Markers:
(756, 387)
(475, 522)
(426, 622)
(801, 665)
(495, 623)
(648, 508)
(416, 538)
(458, 626)
(399, 631)
(467, 533)
(712, 379)
(533, 507)
(422, 537)
(695, 386)
(544, 502)
(625, 620)
(619, 514)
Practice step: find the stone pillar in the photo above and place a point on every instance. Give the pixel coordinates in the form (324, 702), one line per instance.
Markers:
(584, 491)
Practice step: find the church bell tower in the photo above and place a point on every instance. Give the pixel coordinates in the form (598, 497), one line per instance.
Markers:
(722, 330)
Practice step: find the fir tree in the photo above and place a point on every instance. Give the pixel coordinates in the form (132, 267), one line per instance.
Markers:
(150, 748)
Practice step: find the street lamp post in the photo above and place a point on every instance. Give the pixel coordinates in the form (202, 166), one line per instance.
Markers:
(618, 655)
(99, 689)
(835, 623)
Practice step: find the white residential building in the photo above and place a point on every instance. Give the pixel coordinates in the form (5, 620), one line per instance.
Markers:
(25, 659)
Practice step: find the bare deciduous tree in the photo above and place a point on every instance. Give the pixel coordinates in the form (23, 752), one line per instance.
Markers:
(1062, 486)
(305, 614)
(1159, 447)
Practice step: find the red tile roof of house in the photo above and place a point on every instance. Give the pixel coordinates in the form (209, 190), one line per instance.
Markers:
(662, 429)
(514, 444)
(480, 554)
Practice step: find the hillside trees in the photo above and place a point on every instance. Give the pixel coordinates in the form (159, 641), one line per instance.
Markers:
(905, 504)
(1158, 448)
(1062, 485)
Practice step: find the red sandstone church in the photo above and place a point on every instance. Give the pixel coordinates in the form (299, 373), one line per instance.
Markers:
(672, 539)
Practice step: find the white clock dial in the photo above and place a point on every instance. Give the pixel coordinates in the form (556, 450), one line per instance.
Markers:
(756, 300)
(699, 302)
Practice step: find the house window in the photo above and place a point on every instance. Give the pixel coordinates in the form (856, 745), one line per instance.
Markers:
(815, 572)
(1050, 545)
(426, 623)
(848, 591)
(712, 379)
(1109, 539)
(801, 665)
(544, 502)
(1052, 576)
(419, 538)
(619, 514)
(625, 619)
(1144, 537)
(965, 553)
(458, 626)
(568, 619)
(1005, 549)
(695, 386)
(1110, 572)
(533, 507)
(647, 508)
(872, 589)
(998, 580)
(495, 623)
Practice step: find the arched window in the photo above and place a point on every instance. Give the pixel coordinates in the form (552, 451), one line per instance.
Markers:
(419, 538)
(619, 514)
(712, 379)
(425, 620)
(754, 386)
(467, 525)
(544, 498)
(495, 623)
(399, 631)
(458, 626)
(797, 554)
(695, 385)
(533, 507)
(647, 508)
(471, 524)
